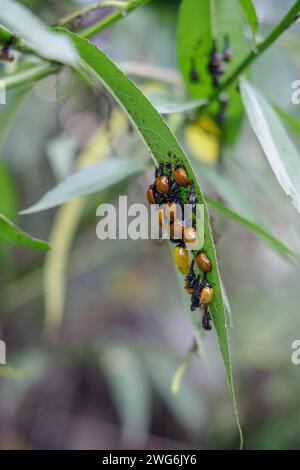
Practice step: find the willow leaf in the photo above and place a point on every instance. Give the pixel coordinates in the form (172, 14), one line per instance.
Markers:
(164, 148)
(10, 233)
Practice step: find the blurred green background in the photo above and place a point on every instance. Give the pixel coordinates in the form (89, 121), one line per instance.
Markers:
(105, 382)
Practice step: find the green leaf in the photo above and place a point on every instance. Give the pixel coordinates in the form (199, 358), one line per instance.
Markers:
(266, 236)
(8, 202)
(37, 35)
(250, 14)
(14, 100)
(199, 25)
(164, 148)
(89, 180)
(10, 233)
(278, 148)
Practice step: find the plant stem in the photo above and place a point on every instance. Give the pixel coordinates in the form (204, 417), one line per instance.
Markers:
(284, 24)
(123, 9)
(5, 34)
(85, 11)
(30, 75)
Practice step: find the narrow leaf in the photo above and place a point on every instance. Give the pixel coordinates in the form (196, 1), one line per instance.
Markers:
(278, 148)
(266, 236)
(89, 180)
(250, 14)
(164, 148)
(37, 35)
(10, 233)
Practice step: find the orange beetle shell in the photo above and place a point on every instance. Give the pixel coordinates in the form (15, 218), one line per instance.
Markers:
(162, 184)
(203, 262)
(181, 177)
(181, 257)
(150, 195)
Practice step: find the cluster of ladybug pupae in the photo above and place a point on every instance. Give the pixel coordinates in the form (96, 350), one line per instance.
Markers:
(216, 65)
(166, 191)
(217, 62)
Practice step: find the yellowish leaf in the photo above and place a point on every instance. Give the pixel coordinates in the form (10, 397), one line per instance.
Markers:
(203, 139)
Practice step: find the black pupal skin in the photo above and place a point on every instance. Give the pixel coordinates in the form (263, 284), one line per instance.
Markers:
(191, 277)
(206, 319)
(159, 171)
(195, 299)
(215, 58)
(192, 195)
(192, 199)
(174, 193)
(216, 66)
(199, 285)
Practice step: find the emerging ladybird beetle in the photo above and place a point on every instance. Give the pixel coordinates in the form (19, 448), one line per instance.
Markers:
(189, 235)
(151, 194)
(203, 262)
(191, 278)
(206, 295)
(181, 177)
(181, 257)
(162, 184)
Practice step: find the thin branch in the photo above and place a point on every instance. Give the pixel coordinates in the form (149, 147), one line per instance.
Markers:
(123, 9)
(84, 12)
(29, 75)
